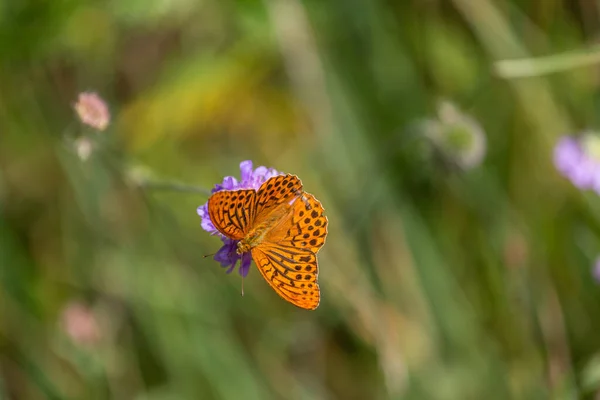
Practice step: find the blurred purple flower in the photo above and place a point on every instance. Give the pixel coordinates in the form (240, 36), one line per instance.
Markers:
(92, 110)
(250, 179)
(578, 159)
(596, 270)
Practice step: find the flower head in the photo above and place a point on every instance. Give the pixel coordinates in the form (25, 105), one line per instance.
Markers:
(92, 110)
(596, 270)
(80, 324)
(250, 179)
(458, 137)
(578, 159)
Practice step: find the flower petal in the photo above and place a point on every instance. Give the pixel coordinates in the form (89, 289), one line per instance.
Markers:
(246, 170)
(206, 223)
(92, 110)
(222, 256)
(227, 255)
(231, 268)
(208, 226)
(260, 172)
(582, 174)
(230, 183)
(271, 173)
(577, 163)
(245, 264)
(567, 154)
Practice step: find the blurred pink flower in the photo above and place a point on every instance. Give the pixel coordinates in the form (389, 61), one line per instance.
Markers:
(92, 110)
(80, 324)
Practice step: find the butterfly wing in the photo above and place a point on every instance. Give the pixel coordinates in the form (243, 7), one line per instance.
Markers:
(306, 227)
(276, 191)
(291, 272)
(232, 212)
(287, 258)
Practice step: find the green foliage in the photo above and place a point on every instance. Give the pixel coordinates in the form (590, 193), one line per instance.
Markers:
(437, 282)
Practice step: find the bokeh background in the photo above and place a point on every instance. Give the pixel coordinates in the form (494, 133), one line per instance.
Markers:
(439, 281)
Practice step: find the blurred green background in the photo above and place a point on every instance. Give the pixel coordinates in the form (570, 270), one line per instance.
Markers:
(437, 282)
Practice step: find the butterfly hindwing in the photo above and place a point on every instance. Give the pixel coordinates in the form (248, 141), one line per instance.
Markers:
(292, 273)
(232, 212)
(307, 227)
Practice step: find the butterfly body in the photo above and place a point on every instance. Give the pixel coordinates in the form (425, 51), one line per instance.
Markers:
(257, 235)
(282, 227)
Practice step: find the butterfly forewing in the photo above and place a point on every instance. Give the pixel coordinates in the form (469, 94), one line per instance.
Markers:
(291, 273)
(232, 212)
(276, 191)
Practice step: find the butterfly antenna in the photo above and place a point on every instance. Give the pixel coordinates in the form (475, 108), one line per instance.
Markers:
(208, 255)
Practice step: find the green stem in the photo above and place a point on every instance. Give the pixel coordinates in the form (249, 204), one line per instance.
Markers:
(174, 187)
(529, 67)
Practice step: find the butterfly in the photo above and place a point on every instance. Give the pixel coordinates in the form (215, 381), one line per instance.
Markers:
(283, 228)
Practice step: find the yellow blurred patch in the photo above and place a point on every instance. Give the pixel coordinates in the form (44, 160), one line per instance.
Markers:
(209, 96)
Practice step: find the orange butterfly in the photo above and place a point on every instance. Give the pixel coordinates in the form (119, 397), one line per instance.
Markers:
(283, 227)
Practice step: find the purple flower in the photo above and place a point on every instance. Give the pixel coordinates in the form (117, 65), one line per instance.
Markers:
(578, 159)
(250, 179)
(227, 256)
(596, 270)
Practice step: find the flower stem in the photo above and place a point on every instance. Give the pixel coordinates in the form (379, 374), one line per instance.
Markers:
(529, 67)
(173, 187)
